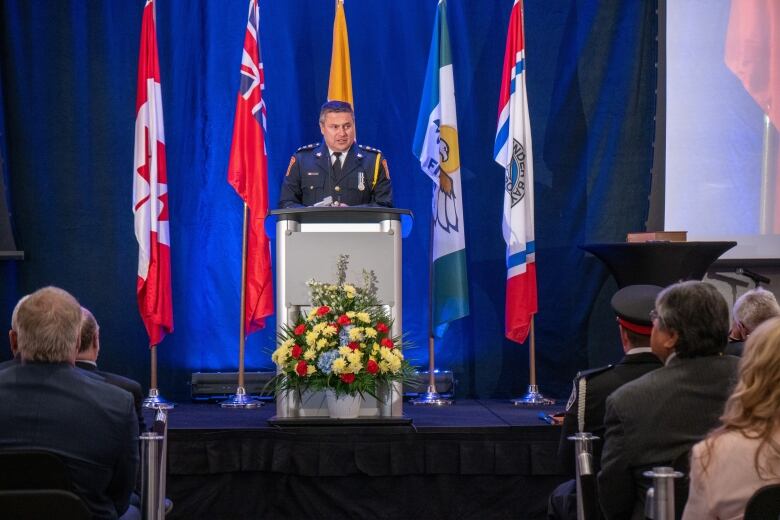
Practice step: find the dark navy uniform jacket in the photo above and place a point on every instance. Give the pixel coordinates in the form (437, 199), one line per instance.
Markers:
(364, 178)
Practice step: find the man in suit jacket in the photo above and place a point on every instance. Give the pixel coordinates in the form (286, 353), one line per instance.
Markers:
(86, 359)
(585, 409)
(654, 420)
(46, 403)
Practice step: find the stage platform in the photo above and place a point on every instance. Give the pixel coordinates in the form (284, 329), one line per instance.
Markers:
(473, 460)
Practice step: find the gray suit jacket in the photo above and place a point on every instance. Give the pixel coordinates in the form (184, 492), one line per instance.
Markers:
(89, 423)
(656, 419)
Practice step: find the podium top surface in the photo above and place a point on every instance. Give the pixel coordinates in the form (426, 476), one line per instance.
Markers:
(355, 214)
(658, 263)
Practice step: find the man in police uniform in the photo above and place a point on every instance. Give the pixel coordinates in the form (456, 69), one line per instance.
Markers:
(337, 172)
(586, 406)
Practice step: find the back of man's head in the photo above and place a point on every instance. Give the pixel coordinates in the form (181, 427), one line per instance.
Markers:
(755, 307)
(699, 315)
(47, 324)
(89, 330)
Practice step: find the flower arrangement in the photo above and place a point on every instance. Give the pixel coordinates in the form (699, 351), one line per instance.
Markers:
(344, 343)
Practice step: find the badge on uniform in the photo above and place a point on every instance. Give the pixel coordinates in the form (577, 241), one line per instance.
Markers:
(361, 181)
(312, 173)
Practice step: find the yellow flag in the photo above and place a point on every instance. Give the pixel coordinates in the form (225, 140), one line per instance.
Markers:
(340, 85)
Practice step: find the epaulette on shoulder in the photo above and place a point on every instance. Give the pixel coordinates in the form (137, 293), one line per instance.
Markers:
(369, 148)
(593, 371)
(308, 147)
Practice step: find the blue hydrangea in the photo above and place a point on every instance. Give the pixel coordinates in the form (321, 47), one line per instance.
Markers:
(344, 335)
(325, 362)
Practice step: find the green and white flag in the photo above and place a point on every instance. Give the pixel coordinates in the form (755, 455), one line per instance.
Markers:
(436, 145)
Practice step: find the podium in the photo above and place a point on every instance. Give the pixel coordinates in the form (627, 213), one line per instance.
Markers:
(308, 244)
(658, 263)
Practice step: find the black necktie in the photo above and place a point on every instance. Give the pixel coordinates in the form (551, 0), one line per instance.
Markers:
(336, 165)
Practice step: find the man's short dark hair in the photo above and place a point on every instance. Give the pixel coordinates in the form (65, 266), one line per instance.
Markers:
(699, 315)
(89, 328)
(335, 107)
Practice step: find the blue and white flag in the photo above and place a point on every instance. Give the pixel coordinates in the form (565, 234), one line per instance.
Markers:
(436, 145)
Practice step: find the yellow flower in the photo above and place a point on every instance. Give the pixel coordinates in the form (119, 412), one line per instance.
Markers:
(280, 355)
(310, 354)
(329, 331)
(354, 358)
(350, 290)
(355, 334)
(364, 317)
(351, 314)
(344, 350)
(386, 354)
(288, 343)
(310, 370)
(322, 342)
(312, 314)
(384, 366)
(318, 327)
(311, 338)
(394, 363)
(339, 364)
(375, 348)
(370, 332)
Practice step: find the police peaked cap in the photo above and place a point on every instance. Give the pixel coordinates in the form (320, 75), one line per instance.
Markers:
(633, 304)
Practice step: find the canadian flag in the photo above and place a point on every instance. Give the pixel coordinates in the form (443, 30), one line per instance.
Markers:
(150, 191)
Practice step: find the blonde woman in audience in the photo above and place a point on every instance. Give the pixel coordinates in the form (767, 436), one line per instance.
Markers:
(743, 454)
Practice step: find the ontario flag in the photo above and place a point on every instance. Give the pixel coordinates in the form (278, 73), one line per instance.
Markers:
(248, 174)
(150, 190)
(513, 152)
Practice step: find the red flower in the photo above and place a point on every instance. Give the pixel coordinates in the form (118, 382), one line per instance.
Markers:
(372, 367)
(388, 343)
(354, 345)
(302, 368)
(323, 310)
(381, 327)
(296, 351)
(300, 329)
(344, 320)
(348, 378)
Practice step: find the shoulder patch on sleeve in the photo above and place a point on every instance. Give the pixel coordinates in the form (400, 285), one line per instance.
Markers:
(369, 148)
(308, 147)
(289, 167)
(387, 170)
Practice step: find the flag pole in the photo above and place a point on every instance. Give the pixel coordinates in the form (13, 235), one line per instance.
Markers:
(431, 397)
(154, 399)
(532, 397)
(240, 399)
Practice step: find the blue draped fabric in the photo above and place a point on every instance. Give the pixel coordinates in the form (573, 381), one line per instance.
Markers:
(68, 72)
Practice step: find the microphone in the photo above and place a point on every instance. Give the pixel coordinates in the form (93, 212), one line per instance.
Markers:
(757, 278)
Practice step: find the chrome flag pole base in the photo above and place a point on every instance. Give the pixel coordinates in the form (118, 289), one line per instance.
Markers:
(431, 398)
(154, 400)
(241, 400)
(533, 398)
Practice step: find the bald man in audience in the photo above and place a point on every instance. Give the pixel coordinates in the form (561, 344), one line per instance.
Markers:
(750, 310)
(48, 404)
(86, 359)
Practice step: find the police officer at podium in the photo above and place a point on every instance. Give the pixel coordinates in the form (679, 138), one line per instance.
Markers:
(338, 172)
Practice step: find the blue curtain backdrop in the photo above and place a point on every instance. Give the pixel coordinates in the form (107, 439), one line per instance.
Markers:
(68, 74)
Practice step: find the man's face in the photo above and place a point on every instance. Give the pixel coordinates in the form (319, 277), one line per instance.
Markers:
(338, 130)
(662, 341)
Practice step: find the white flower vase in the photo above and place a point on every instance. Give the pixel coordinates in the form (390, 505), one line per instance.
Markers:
(343, 406)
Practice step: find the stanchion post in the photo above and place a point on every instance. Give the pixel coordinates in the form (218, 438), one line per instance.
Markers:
(431, 397)
(662, 492)
(151, 446)
(533, 396)
(583, 458)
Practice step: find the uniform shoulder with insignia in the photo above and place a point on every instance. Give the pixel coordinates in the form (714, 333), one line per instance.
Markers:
(308, 147)
(369, 148)
(593, 371)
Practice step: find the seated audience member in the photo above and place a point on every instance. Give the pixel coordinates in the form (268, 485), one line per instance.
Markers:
(12, 338)
(743, 454)
(86, 359)
(46, 403)
(632, 305)
(750, 310)
(654, 420)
